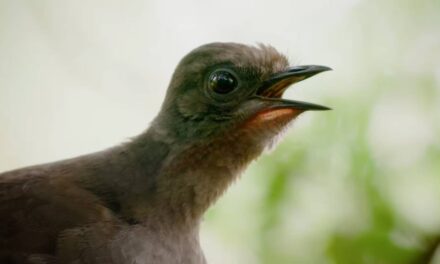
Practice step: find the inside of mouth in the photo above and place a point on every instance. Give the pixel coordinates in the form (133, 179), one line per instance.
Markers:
(277, 90)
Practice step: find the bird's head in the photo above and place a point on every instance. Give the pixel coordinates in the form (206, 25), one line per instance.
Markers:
(223, 87)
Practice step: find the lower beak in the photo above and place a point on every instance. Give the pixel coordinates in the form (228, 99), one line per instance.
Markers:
(273, 88)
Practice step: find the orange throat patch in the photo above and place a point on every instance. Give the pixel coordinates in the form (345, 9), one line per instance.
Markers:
(271, 117)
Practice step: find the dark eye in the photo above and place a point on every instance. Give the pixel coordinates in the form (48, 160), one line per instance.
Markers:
(222, 82)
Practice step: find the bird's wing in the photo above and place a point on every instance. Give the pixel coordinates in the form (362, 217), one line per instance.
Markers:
(35, 209)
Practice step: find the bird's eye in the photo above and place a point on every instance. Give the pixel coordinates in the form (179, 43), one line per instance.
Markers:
(222, 82)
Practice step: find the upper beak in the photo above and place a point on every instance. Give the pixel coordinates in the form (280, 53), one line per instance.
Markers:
(273, 88)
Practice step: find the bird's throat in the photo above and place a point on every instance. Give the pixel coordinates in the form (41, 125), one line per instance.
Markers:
(195, 173)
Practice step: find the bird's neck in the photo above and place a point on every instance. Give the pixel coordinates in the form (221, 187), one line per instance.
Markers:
(193, 174)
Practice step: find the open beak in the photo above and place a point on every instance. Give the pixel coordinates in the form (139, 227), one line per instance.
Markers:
(273, 88)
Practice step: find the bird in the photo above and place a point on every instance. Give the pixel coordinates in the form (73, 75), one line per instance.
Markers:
(143, 201)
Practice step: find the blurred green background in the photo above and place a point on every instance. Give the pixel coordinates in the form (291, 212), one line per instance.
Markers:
(359, 184)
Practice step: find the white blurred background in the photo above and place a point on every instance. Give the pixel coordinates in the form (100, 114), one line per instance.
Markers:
(78, 76)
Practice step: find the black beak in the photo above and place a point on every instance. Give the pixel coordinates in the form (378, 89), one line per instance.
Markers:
(273, 88)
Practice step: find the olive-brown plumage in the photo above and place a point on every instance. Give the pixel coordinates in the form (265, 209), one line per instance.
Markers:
(141, 202)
